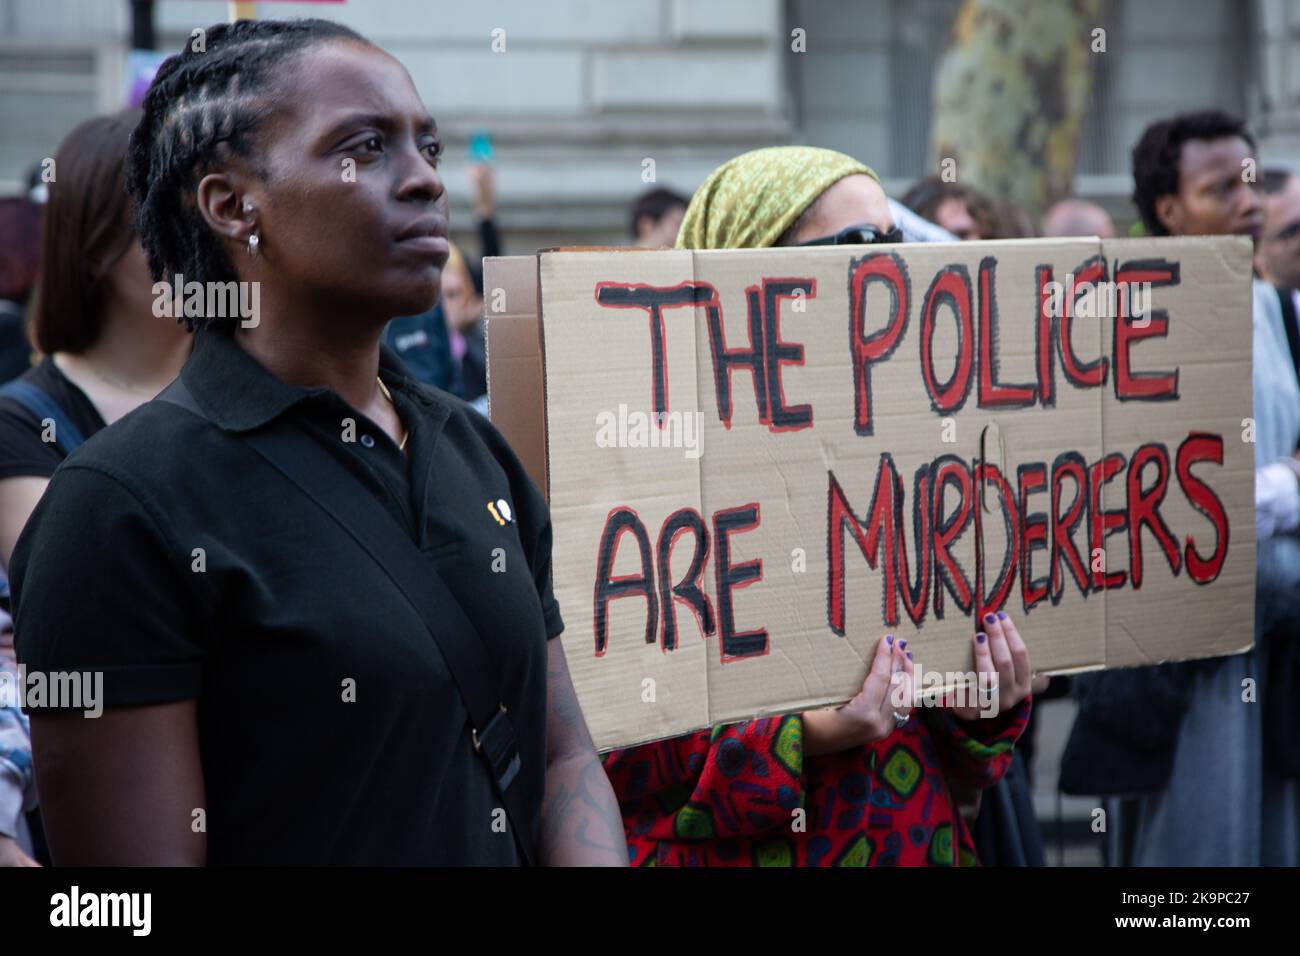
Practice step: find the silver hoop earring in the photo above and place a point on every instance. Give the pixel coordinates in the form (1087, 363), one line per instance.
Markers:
(252, 244)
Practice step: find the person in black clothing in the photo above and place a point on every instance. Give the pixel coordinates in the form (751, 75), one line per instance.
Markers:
(483, 183)
(266, 668)
(105, 354)
(424, 346)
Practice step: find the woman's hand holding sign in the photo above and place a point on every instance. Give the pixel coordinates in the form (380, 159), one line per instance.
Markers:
(889, 692)
(870, 716)
(1001, 654)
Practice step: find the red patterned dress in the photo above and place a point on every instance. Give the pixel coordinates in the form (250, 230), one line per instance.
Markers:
(731, 797)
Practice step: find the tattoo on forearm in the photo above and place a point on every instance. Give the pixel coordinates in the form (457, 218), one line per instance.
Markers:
(580, 811)
(581, 822)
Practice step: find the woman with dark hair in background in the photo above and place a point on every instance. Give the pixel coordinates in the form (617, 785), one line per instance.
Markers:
(105, 354)
(105, 351)
(283, 567)
(965, 212)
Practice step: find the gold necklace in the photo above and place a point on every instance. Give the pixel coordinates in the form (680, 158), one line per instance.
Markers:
(401, 445)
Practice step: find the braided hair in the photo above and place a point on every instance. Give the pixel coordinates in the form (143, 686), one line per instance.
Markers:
(203, 107)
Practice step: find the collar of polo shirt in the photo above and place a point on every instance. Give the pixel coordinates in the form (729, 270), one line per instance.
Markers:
(240, 394)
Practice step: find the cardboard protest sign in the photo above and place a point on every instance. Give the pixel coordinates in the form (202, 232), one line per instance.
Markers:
(758, 462)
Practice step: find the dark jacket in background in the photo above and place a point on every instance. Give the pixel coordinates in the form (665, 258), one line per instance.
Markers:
(424, 346)
(15, 349)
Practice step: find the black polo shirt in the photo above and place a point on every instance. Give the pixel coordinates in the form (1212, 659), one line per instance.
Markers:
(330, 729)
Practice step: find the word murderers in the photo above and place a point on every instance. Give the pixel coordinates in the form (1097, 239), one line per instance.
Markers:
(1070, 500)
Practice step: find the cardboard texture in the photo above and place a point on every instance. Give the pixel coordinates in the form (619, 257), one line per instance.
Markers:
(514, 360)
(859, 441)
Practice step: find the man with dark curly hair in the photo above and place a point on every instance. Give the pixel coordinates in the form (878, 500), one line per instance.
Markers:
(1206, 750)
(1195, 175)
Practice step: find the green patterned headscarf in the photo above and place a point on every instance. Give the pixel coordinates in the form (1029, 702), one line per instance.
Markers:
(750, 201)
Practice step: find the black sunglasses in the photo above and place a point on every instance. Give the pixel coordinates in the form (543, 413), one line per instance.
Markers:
(857, 236)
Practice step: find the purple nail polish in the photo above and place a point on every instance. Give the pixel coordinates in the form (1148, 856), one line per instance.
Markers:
(889, 638)
(1002, 615)
(909, 655)
(902, 645)
(981, 637)
(989, 619)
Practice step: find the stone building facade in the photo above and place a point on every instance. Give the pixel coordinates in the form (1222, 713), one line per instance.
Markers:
(578, 94)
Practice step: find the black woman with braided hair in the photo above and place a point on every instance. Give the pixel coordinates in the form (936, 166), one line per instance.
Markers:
(295, 577)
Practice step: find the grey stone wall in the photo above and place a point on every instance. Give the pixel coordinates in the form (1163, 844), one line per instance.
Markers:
(586, 90)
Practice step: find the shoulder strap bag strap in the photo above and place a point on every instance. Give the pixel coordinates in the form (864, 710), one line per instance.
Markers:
(41, 404)
(306, 464)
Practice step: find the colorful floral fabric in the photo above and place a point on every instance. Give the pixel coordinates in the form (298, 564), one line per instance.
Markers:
(743, 795)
